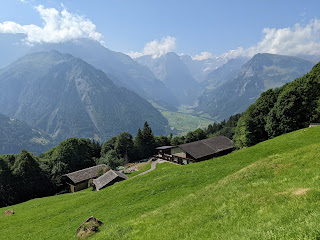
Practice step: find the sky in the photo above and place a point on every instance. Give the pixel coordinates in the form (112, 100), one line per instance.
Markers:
(200, 28)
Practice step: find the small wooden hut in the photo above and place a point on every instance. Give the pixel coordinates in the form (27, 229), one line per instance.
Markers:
(108, 179)
(78, 180)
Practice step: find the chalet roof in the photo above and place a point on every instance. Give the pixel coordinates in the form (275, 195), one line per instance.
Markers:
(164, 147)
(84, 174)
(206, 147)
(106, 178)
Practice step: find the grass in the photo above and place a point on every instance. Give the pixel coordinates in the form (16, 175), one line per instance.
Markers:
(268, 191)
(185, 120)
(141, 168)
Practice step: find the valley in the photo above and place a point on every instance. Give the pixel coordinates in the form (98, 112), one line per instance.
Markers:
(184, 119)
(159, 120)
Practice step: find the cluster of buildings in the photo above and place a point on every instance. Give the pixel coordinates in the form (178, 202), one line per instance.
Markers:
(182, 154)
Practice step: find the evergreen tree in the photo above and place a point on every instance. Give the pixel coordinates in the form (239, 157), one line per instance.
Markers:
(124, 146)
(162, 141)
(148, 141)
(138, 144)
(7, 194)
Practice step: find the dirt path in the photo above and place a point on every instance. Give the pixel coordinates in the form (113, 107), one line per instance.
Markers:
(153, 167)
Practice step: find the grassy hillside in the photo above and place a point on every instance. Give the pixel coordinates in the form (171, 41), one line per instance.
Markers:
(268, 191)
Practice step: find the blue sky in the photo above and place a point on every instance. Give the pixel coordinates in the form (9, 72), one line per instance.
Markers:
(194, 26)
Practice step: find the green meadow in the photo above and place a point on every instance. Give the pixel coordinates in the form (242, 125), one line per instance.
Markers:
(185, 119)
(268, 191)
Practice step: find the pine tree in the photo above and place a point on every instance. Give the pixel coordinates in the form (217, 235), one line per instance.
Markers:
(148, 148)
(138, 144)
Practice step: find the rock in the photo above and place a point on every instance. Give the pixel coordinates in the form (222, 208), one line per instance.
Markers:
(88, 228)
(9, 212)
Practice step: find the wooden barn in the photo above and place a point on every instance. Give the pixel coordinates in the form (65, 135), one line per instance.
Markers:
(164, 150)
(197, 151)
(108, 179)
(79, 180)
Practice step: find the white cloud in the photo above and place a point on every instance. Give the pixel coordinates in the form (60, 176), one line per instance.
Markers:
(298, 40)
(156, 48)
(57, 27)
(202, 56)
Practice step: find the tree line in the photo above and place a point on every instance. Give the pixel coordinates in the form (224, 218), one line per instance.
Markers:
(25, 176)
(277, 111)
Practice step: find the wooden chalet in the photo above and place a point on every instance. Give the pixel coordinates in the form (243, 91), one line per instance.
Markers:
(197, 151)
(78, 180)
(108, 179)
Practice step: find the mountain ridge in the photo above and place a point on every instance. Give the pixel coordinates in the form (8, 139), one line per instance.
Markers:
(49, 90)
(263, 71)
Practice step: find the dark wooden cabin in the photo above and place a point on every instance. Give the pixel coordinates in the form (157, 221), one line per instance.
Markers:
(108, 179)
(78, 180)
(196, 151)
(207, 148)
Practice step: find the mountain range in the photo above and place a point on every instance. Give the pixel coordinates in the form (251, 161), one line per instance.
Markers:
(63, 94)
(172, 71)
(261, 72)
(66, 97)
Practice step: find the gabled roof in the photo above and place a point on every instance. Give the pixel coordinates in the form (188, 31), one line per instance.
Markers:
(164, 147)
(207, 147)
(106, 178)
(84, 174)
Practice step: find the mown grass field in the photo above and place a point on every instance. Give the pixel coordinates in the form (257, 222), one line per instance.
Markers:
(268, 191)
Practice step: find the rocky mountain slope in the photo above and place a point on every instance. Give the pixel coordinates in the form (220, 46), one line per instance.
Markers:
(261, 72)
(172, 71)
(66, 97)
(119, 67)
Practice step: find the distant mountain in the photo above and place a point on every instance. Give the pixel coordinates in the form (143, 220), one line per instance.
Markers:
(261, 72)
(119, 67)
(66, 97)
(201, 68)
(16, 135)
(172, 71)
(225, 73)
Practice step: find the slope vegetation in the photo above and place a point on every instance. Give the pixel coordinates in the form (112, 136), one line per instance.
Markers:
(268, 191)
(16, 135)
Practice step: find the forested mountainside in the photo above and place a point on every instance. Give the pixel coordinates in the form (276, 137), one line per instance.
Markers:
(293, 106)
(262, 72)
(66, 97)
(16, 135)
